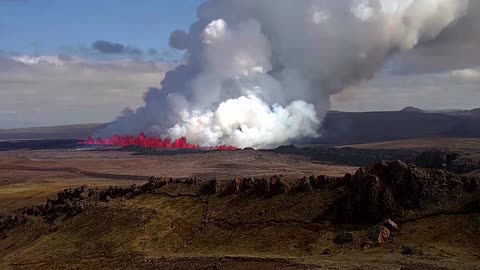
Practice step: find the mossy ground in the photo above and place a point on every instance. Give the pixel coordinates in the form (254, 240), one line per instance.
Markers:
(283, 232)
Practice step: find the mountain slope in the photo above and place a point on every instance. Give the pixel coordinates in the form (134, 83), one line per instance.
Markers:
(66, 132)
(367, 127)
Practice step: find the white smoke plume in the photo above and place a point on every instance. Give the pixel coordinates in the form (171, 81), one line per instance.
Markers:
(259, 73)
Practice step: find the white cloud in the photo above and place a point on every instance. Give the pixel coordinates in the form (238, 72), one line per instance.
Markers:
(466, 74)
(48, 90)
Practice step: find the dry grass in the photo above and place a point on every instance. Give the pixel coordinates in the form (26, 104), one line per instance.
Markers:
(29, 177)
(20, 195)
(157, 232)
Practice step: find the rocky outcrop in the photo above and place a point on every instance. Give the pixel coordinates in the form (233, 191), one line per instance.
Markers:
(343, 238)
(70, 202)
(117, 192)
(462, 163)
(153, 184)
(411, 251)
(371, 196)
(4, 181)
(455, 162)
(11, 222)
(269, 187)
(435, 159)
(390, 188)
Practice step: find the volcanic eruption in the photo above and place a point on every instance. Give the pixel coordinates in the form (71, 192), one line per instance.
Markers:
(260, 73)
(146, 142)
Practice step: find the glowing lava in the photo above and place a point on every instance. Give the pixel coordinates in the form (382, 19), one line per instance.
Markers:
(149, 142)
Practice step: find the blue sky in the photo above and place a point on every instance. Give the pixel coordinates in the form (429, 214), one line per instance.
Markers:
(52, 26)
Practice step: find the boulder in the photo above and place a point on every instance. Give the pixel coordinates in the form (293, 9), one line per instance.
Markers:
(278, 186)
(263, 186)
(190, 181)
(411, 251)
(154, 183)
(303, 185)
(343, 238)
(379, 234)
(242, 185)
(322, 181)
(326, 251)
(210, 187)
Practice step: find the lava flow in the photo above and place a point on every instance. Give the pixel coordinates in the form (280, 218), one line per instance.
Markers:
(146, 142)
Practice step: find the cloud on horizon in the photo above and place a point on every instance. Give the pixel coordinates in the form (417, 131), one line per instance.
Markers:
(468, 74)
(50, 90)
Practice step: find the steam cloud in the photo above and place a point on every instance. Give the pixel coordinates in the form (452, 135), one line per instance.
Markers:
(259, 73)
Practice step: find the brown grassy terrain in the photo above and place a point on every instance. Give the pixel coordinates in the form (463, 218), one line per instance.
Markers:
(159, 231)
(28, 177)
(175, 229)
(19, 195)
(222, 164)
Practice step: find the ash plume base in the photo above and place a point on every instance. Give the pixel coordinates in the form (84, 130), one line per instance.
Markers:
(260, 73)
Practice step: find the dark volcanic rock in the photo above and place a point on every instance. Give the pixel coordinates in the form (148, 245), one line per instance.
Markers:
(11, 222)
(343, 238)
(389, 188)
(210, 187)
(263, 186)
(435, 159)
(322, 181)
(278, 186)
(326, 251)
(411, 251)
(347, 155)
(70, 202)
(242, 185)
(303, 185)
(452, 161)
(461, 163)
(132, 191)
(153, 183)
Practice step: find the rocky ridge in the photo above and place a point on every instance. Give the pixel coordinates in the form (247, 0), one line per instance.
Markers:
(379, 198)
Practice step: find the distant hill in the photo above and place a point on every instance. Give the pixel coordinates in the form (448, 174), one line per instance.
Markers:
(412, 109)
(65, 132)
(367, 127)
